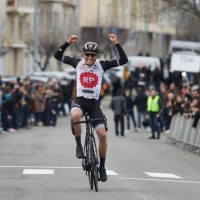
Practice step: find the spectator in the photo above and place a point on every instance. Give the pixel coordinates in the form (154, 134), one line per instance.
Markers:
(153, 108)
(24, 108)
(126, 75)
(39, 105)
(173, 88)
(167, 115)
(51, 103)
(116, 86)
(141, 105)
(165, 74)
(118, 105)
(157, 78)
(104, 87)
(130, 112)
(178, 105)
(164, 93)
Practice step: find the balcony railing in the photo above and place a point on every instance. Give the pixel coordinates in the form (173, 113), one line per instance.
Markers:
(21, 6)
(20, 3)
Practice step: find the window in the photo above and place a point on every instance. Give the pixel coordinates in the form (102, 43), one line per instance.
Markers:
(10, 3)
(48, 20)
(20, 31)
(12, 29)
(56, 20)
(41, 19)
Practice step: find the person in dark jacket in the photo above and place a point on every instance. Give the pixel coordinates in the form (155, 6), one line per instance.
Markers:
(118, 105)
(141, 104)
(24, 108)
(130, 111)
(116, 86)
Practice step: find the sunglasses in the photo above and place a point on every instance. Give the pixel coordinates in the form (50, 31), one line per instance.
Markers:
(90, 54)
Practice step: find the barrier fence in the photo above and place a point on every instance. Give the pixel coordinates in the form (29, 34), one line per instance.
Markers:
(184, 135)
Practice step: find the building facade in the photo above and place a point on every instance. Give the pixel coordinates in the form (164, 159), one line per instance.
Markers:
(17, 34)
(2, 34)
(138, 23)
(54, 22)
(57, 20)
(152, 31)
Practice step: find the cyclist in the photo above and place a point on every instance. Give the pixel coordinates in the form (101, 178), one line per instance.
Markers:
(89, 73)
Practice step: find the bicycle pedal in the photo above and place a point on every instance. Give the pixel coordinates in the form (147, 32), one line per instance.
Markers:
(84, 167)
(96, 162)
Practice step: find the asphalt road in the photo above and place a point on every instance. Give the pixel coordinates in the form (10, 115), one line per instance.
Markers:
(130, 159)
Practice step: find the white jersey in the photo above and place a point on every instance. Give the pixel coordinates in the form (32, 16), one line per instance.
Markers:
(89, 79)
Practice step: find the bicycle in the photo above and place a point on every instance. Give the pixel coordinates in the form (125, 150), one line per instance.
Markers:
(90, 161)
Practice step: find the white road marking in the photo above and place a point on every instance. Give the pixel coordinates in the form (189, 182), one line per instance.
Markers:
(160, 180)
(162, 175)
(38, 171)
(48, 167)
(110, 172)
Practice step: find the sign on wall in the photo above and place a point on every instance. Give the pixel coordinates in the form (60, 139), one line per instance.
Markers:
(185, 62)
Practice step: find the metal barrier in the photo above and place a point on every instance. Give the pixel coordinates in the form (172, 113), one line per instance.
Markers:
(184, 135)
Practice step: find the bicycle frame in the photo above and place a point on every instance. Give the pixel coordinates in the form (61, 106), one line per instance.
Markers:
(90, 161)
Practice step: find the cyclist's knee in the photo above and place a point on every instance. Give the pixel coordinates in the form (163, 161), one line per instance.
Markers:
(102, 134)
(76, 115)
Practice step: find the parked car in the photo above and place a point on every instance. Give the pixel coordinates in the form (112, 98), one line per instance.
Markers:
(6, 79)
(53, 74)
(70, 71)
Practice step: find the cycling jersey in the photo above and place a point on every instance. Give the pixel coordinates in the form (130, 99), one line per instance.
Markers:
(89, 78)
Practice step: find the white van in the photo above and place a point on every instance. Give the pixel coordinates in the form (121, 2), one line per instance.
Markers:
(141, 61)
(178, 45)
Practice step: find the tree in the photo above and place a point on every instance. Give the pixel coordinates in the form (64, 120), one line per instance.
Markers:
(48, 42)
(186, 16)
(100, 36)
(187, 20)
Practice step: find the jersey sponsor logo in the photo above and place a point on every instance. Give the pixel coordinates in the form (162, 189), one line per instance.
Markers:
(88, 91)
(88, 80)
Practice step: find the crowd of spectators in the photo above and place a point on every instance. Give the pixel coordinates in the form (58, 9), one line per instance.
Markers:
(26, 103)
(177, 95)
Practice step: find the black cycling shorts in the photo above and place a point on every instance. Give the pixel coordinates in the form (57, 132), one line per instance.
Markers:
(92, 107)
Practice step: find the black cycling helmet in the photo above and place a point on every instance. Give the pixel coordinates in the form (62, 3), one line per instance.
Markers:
(91, 46)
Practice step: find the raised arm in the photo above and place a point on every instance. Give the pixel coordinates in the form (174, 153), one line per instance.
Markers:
(122, 55)
(123, 58)
(59, 54)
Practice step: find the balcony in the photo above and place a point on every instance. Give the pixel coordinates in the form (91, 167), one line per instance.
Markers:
(20, 6)
(64, 2)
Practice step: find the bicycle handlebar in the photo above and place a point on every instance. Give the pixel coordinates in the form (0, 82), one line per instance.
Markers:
(89, 120)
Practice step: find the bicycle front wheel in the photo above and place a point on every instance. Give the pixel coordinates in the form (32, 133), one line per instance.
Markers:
(88, 163)
(94, 163)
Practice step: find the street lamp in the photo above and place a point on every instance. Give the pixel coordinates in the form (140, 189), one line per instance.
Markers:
(145, 26)
(35, 25)
(98, 20)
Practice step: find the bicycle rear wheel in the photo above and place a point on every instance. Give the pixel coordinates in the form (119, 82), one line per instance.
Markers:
(94, 163)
